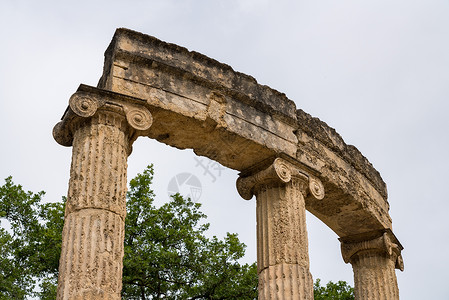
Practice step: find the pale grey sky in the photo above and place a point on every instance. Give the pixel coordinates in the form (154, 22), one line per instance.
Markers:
(376, 71)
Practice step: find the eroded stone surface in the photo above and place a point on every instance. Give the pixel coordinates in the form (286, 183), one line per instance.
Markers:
(288, 159)
(356, 196)
(374, 261)
(282, 245)
(223, 110)
(101, 131)
(227, 116)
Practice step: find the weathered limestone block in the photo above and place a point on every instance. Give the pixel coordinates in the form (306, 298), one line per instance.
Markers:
(101, 131)
(229, 117)
(224, 110)
(92, 255)
(374, 262)
(282, 245)
(286, 157)
(100, 151)
(356, 195)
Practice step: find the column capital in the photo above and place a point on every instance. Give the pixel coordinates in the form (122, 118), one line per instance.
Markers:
(386, 244)
(280, 171)
(87, 102)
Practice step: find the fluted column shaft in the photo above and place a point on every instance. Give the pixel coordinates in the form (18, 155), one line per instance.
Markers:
(92, 245)
(282, 245)
(374, 262)
(101, 126)
(374, 276)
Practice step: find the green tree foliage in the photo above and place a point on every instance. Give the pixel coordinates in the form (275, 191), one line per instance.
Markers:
(167, 254)
(30, 250)
(333, 291)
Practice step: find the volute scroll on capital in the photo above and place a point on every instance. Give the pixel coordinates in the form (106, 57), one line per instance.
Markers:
(85, 104)
(138, 118)
(386, 244)
(279, 172)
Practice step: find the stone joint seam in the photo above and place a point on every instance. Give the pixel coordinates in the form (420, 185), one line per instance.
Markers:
(281, 263)
(201, 103)
(157, 64)
(75, 210)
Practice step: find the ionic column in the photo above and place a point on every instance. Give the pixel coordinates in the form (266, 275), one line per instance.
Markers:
(282, 245)
(374, 262)
(101, 133)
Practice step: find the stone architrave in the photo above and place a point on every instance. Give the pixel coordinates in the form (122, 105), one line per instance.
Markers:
(199, 103)
(282, 245)
(374, 261)
(101, 131)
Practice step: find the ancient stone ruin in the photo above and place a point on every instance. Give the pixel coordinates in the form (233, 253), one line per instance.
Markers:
(289, 160)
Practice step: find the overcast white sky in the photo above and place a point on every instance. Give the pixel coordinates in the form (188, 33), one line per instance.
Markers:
(376, 71)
